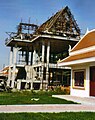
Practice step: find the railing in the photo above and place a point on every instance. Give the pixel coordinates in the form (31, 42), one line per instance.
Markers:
(51, 65)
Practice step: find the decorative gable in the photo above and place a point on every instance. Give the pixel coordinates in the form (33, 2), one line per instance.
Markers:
(62, 23)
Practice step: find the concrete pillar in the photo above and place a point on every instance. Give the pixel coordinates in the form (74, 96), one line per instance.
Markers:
(14, 66)
(42, 72)
(32, 85)
(42, 69)
(71, 83)
(43, 54)
(26, 85)
(43, 51)
(47, 65)
(18, 84)
(34, 56)
(87, 80)
(10, 63)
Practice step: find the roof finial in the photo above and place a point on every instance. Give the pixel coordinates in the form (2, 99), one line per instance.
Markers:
(69, 48)
(87, 30)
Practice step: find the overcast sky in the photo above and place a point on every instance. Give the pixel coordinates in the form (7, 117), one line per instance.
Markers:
(11, 12)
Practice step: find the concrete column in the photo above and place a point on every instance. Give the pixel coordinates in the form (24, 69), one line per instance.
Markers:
(43, 51)
(43, 54)
(10, 63)
(71, 83)
(87, 81)
(14, 66)
(26, 85)
(34, 56)
(32, 85)
(42, 69)
(31, 74)
(18, 84)
(47, 65)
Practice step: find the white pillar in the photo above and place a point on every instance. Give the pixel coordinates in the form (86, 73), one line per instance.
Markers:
(43, 51)
(14, 66)
(47, 65)
(43, 54)
(87, 81)
(42, 69)
(39, 72)
(32, 85)
(10, 63)
(18, 84)
(34, 56)
(71, 83)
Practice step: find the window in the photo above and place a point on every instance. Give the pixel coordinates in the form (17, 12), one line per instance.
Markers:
(79, 78)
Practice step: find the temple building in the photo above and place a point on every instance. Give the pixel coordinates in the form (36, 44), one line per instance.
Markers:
(82, 63)
(35, 50)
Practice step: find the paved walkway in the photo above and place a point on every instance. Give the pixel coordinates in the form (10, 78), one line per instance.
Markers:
(82, 100)
(46, 108)
(87, 104)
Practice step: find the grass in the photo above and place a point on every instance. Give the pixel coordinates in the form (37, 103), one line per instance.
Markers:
(26, 97)
(48, 116)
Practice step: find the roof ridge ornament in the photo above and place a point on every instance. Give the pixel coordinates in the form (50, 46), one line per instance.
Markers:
(87, 30)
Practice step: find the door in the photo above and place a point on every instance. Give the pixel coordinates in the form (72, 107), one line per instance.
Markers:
(92, 81)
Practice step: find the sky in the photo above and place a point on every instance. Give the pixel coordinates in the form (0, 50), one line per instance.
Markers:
(12, 11)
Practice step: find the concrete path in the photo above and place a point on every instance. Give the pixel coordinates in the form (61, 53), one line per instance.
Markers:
(87, 104)
(82, 100)
(46, 108)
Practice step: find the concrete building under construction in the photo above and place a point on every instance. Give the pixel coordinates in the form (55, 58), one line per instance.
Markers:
(35, 50)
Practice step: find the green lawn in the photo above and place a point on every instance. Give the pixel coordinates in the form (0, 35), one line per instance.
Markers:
(27, 97)
(48, 116)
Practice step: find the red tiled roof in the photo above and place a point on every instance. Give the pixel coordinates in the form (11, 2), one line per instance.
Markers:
(87, 41)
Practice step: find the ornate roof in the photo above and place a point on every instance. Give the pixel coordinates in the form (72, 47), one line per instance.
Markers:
(62, 23)
(88, 40)
(84, 49)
